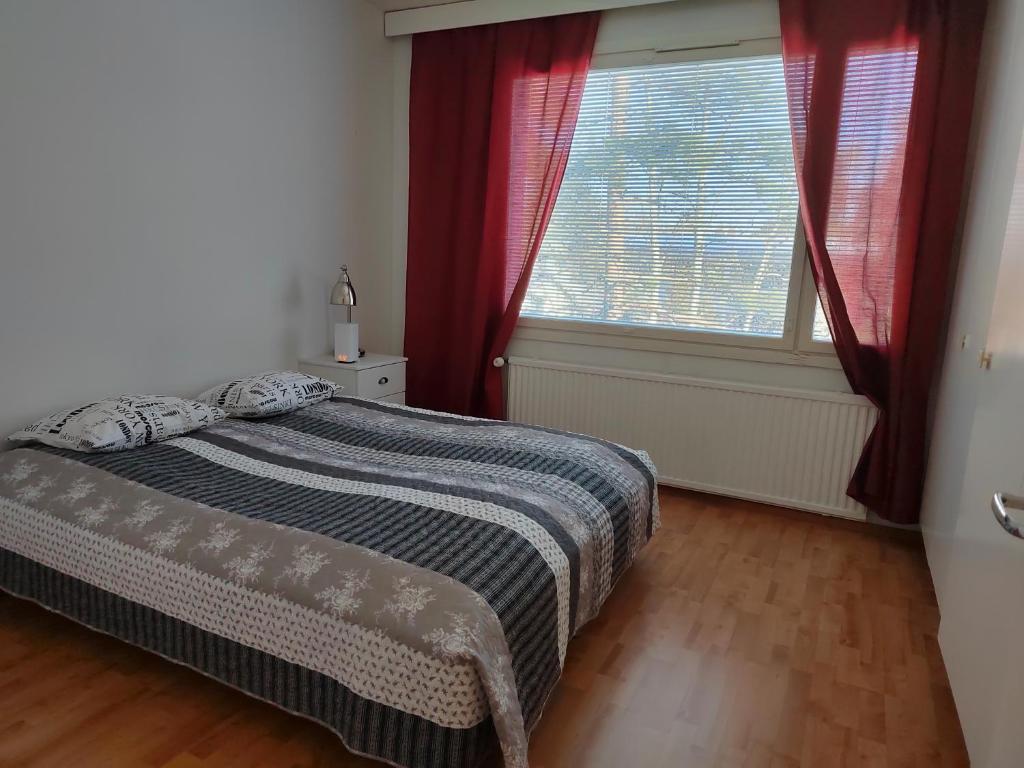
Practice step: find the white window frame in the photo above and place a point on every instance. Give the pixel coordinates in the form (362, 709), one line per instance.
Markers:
(805, 323)
(796, 345)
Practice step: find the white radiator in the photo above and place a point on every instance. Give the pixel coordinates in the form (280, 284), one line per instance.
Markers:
(795, 448)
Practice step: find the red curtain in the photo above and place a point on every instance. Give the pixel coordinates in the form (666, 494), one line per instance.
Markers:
(880, 100)
(491, 117)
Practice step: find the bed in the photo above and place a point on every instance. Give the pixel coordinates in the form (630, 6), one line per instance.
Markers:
(407, 578)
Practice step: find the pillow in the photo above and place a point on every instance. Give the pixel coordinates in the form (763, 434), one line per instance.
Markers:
(267, 394)
(119, 423)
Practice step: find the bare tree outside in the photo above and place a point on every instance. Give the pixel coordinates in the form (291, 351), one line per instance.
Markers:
(679, 203)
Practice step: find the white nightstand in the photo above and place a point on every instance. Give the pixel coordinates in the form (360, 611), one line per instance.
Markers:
(376, 377)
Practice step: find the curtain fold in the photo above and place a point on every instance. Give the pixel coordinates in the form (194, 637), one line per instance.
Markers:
(880, 100)
(491, 116)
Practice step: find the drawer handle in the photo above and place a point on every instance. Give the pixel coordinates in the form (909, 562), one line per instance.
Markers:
(382, 380)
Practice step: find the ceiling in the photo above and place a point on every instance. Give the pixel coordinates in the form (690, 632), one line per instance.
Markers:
(401, 5)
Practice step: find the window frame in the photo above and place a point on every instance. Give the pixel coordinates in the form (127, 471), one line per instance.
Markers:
(796, 345)
(805, 324)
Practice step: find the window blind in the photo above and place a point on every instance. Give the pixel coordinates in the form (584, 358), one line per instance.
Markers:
(867, 186)
(679, 202)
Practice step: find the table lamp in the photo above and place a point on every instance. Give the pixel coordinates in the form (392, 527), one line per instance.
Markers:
(346, 333)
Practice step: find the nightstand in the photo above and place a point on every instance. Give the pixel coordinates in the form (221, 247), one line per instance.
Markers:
(375, 377)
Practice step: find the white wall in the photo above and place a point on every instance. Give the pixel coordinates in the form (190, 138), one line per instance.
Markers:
(998, 121)
(178, 182)
(684, 23)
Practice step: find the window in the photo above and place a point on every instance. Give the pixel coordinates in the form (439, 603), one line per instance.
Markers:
(679, 204)
(820, 331)
(877, 96)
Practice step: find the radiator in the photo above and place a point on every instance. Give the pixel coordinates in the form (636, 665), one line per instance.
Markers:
(795, 448)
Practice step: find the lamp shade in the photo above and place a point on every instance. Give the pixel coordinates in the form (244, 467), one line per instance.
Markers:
(343, 293)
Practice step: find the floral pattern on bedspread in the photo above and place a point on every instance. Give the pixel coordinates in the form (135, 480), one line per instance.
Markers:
(326, 538)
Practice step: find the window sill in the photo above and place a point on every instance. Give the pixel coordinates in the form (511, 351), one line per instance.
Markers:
(749, 348)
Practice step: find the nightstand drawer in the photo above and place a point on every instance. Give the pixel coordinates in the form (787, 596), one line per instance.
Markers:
(381, 381)
(374, 377)
(333, 372)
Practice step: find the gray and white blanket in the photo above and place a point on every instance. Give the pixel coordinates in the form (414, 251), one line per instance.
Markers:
(408, 578)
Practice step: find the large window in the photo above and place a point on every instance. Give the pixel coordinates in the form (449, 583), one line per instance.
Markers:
(679, 204)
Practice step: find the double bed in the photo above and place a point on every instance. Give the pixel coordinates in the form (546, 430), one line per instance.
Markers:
(409, 579)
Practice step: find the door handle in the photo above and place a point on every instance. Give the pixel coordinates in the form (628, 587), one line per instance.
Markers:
(1001, 503)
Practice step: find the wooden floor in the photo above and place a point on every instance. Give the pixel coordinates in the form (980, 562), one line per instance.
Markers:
(745, 636)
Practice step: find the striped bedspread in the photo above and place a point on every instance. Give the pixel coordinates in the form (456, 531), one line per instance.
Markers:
(409, 579)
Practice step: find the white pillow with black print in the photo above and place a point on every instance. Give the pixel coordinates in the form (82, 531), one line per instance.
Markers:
(269, 394)
(120, 423)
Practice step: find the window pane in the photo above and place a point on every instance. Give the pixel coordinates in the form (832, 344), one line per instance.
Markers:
(820, 332)
(866, 197)
(866, 189)
(678, 206)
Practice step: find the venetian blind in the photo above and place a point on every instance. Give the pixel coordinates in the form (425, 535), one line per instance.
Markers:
(867, 187)
(679, 202)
